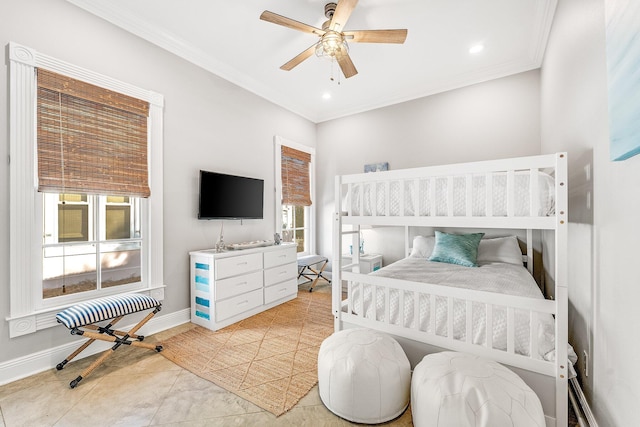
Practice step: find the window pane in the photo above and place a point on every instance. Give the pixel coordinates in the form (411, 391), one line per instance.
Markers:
(118, 222)
(73, 198)
(299, 216)
(68, 269)
(287, 217)
(73, 223)
(117, 199)
(299, 239)
(120, 264)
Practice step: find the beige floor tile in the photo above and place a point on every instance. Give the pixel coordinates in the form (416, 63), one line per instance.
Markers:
(47, 376)
(161, 336)
(258, 419)
(202, 403)
(188, 381)
(118, 400)
(40, 404)
(311, 399)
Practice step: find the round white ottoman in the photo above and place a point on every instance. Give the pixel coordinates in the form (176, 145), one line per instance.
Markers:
(363, 376)
(458, 389)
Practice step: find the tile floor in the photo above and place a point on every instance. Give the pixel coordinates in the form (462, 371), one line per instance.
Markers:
(137, 387)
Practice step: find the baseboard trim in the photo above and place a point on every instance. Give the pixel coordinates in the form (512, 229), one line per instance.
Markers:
(549, 421)
(22, 367)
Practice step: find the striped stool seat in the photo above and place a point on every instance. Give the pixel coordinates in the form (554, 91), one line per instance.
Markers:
(97, 310)
(81, 319)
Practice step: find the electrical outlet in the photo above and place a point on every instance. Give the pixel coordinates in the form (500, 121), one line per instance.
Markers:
(586, 362)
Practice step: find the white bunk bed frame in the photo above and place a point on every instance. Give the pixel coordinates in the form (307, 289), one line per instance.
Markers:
(547, 378)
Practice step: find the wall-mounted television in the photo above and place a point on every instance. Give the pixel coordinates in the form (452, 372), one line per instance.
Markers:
(225, 196)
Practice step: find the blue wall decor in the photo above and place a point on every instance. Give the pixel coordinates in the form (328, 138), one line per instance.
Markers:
(623, 66)
(376, 167)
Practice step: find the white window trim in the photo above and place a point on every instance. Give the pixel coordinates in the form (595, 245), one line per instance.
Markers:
(24, 242)
(278, 143)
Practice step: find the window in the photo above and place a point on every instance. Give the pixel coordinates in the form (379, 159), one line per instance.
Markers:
(294, 194)
(98, 224)
(90, 243)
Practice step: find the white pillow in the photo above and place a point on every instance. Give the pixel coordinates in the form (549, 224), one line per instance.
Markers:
(422, 246)
(500, 249)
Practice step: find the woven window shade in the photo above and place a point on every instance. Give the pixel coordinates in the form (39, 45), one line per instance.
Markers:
(295, 177)
(90, 139)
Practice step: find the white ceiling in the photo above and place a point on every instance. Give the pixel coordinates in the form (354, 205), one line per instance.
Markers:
(228, 39)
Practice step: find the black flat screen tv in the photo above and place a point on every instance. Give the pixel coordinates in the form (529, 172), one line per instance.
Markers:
(225, 196)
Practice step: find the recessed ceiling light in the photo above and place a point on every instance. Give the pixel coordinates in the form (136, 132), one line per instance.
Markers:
(326, 95)
(475, 49)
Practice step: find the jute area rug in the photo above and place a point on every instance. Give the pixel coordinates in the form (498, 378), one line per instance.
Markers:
(270, 359)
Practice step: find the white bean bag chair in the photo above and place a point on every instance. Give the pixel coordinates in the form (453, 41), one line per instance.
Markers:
(451, 389)
(364, 376)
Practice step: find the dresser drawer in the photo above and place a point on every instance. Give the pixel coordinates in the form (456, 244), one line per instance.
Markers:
(281, 290)
(238, 304)
(234, 266)
(280, 256)
(280, 273)
(237, 285)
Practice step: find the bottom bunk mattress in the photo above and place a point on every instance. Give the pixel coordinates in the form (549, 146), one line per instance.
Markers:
(497, 277)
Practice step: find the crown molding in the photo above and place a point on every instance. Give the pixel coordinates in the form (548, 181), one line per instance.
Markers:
(545, 10)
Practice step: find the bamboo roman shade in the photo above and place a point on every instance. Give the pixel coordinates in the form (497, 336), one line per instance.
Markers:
(90, 139)
(295, 177)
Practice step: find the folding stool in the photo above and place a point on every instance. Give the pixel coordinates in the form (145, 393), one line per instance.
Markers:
(306, 270)
(80, 319)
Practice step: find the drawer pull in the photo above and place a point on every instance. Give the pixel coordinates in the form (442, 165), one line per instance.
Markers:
(282, 272)
(241, 284)
(283, 290)
(243, 303)
(242, 263)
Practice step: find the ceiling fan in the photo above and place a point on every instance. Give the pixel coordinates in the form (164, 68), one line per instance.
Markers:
(332, 41)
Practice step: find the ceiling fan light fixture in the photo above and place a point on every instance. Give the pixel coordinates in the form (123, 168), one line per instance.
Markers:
(332, 45)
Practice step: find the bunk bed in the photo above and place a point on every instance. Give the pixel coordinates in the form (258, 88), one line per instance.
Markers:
(495, 310)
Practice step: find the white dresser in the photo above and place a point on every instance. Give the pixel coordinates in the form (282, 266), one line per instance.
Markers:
(230, 286)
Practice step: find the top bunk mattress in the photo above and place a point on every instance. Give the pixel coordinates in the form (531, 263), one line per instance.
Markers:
(481, 195)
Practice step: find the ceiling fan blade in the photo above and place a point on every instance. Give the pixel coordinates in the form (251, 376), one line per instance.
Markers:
(289, 23)
(342, 14)
(376, 36)
(299, 58)
(346, 65)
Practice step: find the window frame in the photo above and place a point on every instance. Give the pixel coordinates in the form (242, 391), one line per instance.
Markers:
(310, 211)
(28, 313)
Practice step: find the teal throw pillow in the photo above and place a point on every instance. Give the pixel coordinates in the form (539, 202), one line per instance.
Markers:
(460, 249)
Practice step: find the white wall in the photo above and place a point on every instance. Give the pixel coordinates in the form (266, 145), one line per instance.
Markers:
(208, 123)
(603, 274)
(496, 119)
